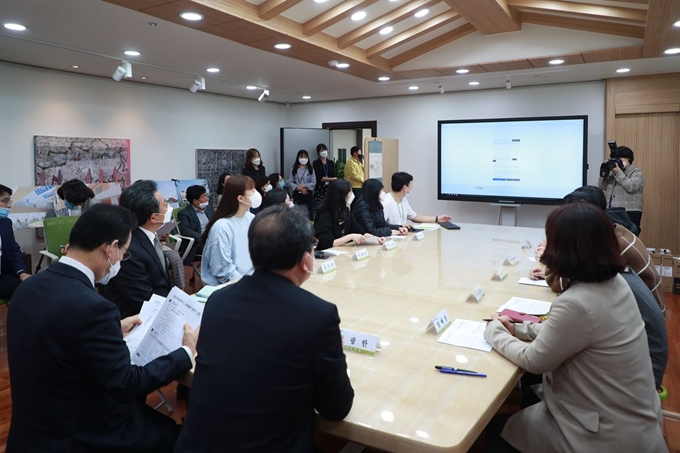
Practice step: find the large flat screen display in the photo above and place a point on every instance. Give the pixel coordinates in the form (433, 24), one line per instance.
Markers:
(512, 160)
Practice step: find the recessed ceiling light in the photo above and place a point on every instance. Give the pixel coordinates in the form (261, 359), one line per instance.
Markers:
(358, 16)
(152, 24)
(422, 12)
(413, 87)
(677, 24)
(15, 27)
(386, 30)
(132, 53)
(75, 66)
(474, 84)
(282, 46)
(622, 70)
(191, 16)
(672, 51)
(213, 70)
(306, 97)
(462, 71)
(320, 1)
(143, 77)
(342, 65)
(251, 87)
(383, 78)
(557, 61)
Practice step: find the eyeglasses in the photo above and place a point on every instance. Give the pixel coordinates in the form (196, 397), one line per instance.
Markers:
(6, 201)
(126, 255)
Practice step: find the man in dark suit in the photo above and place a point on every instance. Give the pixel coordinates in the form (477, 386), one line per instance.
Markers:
(12, 266)
(73, 387)
(194, 218)
(270, 352)
(146, 272)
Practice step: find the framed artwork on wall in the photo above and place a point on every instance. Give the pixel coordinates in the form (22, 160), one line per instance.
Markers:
(211, 163)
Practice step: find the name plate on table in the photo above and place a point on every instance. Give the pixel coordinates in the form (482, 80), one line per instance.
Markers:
(500, 274)
(327, 267)
(360, 255)
(511, 260)
(440, 322)
(419, 236)
(477, 293)
(359, 342)
(389, 245)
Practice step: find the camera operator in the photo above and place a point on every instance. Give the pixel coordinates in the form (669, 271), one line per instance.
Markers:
(623, 186)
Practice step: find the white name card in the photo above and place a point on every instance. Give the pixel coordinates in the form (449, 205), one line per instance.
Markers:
(500, 274)
(511, 260)
(360, 255)
(419, 236)
(389, 245)
(477, 293)
(666, 271)
(658, 269)
(440, 322)
(361, 343)
(327, 267)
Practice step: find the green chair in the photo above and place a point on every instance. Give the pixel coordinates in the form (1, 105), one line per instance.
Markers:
(57, 232)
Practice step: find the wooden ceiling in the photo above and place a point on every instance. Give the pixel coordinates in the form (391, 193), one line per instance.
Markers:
(264, 25)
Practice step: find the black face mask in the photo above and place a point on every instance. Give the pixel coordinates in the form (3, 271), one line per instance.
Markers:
(360, 157)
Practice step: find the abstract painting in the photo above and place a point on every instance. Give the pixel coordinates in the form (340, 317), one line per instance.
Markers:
(211, 163)
(92, 160)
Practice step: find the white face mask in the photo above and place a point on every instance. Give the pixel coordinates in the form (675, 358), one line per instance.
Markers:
(350, 200)
(312, 269)
(408, 193)
(625, 164)
(303, 160)
(323, 154)
(203, 205)
(168, 215)
(113, 270)
(382, 196)
(267, 188)
(291, 205)
(256, 161)
(255, 200)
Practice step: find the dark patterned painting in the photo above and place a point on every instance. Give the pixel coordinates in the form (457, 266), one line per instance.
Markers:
(211, 163)
(92, 160)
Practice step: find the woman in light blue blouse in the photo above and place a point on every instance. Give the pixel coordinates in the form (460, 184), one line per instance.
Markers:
(301, 182)
(225, 254)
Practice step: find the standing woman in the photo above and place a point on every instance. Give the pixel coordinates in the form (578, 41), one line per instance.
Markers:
(324, 170)
(302, 181)
(254, 167)
(225, 254)
(220, 184)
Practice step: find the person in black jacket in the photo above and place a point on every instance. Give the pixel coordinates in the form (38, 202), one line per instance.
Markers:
(12, 265)
(368, 211)
(263, 369)
(324, 169)
(254, 166)
(193, 219)
(333, 225)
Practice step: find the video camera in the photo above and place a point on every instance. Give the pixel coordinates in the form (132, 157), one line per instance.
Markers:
(613, 161)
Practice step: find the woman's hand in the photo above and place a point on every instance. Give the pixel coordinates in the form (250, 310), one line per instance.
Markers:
(540, 248)
(403, 231)
(302, 189)
(505, 321)
(537, 274)
(381, 241)
(357, 238)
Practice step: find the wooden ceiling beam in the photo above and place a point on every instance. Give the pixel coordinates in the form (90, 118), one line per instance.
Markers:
(660, 34)
(271, 8)
(487, 16)
(412, 33)
(581, 9)
(595, 26)
(391, 18)
(334, 15)
(432, 44)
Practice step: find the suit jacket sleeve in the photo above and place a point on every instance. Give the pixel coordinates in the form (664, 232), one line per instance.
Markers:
(12, 249)
(106, 359)
(334, 394)
(566, 332)
(132, 281)
(318, 171)
(187, 225)
(323, 230)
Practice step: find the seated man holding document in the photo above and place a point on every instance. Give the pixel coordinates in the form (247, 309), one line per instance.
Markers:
(398, 211)
(598, 385)
(74, 388)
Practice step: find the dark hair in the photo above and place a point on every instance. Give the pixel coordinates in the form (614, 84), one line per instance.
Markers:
(400, 179)
(279, 237)
(220, 183)
(296, 165)
(370, 192)
(75, 191)
(354, 149)
(274, 196)
(320, 147)
(228, 206)
(250, 155)
(624, 151)
(587, 194)
(334, 201)
(102, 224)
(274, 179)
(140, 198)
(581, 244)
(260, 183)
(195, 192)
(5, 189)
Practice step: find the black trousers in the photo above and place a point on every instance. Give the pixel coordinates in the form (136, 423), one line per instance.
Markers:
(305, 200)
(494, 442)
(636, 218)
(8, 284)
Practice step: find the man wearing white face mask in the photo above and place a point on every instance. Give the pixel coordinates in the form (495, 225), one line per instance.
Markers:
(398, 211)
(73, 385)
(146, 272)
(623, 187)
(194, 218)
(225, 254)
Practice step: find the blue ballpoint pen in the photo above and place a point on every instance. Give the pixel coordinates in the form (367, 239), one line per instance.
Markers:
(464, 373)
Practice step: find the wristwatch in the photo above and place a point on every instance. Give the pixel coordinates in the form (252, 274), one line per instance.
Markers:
(436, 219)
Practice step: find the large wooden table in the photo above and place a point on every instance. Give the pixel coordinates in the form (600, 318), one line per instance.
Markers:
(402, 404)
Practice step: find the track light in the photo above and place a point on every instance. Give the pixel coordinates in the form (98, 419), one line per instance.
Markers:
(440, 86)
(199, 84)
(264, 97)
(124, 70)
(508, 85)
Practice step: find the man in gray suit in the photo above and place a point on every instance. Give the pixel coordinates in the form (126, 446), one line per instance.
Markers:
(194, 218)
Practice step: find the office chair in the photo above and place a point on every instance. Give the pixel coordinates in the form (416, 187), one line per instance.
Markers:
(57, 233)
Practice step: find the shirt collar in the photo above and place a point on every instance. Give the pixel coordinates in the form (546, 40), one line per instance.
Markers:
(78, 265)
(149, 234)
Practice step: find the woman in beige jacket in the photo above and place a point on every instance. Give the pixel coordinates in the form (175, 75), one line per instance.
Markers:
(598, 385)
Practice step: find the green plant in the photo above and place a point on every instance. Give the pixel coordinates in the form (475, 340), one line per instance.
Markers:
(339, 169)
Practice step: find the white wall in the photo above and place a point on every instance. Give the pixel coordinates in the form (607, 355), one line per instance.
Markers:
(413, 120)
(343, 139)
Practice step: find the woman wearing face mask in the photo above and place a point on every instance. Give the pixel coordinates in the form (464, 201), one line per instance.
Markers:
(220, 184)
(225, 253)
(333, 225)
(262, 185)
(77, 196)
(368, 211)
(301, 181)
(254, 167)
(324, 170)
(277, 181)
(276, 196)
